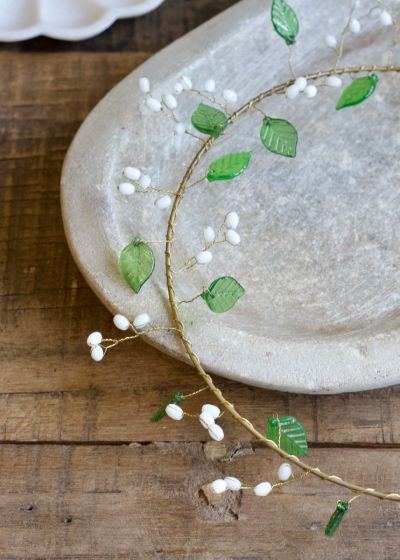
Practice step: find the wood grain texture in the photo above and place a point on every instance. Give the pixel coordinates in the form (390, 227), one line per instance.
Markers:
(71, 487)
(145, 501)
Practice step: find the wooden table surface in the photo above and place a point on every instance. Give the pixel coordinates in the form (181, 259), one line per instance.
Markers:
(83, 474)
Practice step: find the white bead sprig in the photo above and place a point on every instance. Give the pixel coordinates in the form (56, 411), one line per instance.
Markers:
(224, 233)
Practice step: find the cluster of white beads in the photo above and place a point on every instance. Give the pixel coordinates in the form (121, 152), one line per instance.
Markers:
(94, 341)
(220, 485)
(144, 182)
(231, 236)
(209, 413)
(300, 86)
(139, 323)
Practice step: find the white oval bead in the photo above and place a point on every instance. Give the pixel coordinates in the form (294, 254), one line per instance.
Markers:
(209, 234)
(94, 338)
(141, 321)
(204, 257)
(170, 101)
(186, 83)
(163, 202)
(232, 237)
(145, 181)
(284, 472)
(132, 173)
(229, 95)
(232, 220)
(174, 411)
(301, 83)
(180, 129)
(218, 486)
(355, 26)
(121, 322)
(206, 420)
(210, 86)
(178, 88)
(211, 409)
(310, 91)
(144, 85)
(334, 81)
(233, 483)
(97, 353)
(153, 104)
(292, 91)
(262, 489)
(126, 188)
(216, 432)
(385, 18)
(330, 41)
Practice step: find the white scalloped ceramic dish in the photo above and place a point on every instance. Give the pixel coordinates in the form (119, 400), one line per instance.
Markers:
(70, 20)
(319, 257)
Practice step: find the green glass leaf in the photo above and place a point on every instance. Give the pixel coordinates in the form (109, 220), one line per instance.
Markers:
(358, 91)
(222, 294)
(285, 21)
(279, 137)
(136, 264)
(209, 120)
(289, 433)
(228, 167)
(336, 518)
(160, 414)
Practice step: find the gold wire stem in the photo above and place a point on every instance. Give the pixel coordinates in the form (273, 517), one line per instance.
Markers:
(174, 305)
(195, 393)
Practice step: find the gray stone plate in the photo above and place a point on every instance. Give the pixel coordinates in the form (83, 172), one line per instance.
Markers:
(319, 257)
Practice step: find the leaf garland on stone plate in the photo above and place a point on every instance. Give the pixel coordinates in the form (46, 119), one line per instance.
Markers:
(358, 91)
(222, 294)
(279, 137)
(284, 21)
(209, 120)
(228, 167)
(136, 264)
(288, 434)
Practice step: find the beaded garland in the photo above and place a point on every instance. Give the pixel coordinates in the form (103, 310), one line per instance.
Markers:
(285, 434)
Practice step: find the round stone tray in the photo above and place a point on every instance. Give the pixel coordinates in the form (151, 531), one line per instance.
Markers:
(319, 257)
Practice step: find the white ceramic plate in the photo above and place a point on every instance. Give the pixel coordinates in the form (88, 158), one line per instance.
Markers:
(319, 257)
(71, 20)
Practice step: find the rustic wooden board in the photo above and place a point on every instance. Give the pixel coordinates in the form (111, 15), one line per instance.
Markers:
(144, 502)
(98, 498)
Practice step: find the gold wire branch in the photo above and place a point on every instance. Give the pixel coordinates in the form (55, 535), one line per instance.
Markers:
(316, 471)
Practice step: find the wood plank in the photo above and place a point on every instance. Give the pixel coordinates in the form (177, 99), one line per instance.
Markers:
(145, 502)
(50, 390)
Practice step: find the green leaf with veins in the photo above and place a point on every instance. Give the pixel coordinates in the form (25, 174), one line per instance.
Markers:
(228, 167)
(208, 120)
(279, 137)
(358, 91)
(222, 294)
(285, 21)
(136, 264)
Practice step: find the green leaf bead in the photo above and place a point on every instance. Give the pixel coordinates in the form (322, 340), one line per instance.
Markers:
(209, 120)
(222, 294)
(284, 21)
(288, 434)
(358, 91)
(228, 167)
(336, 518)
(279, 137)
(136, 264)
